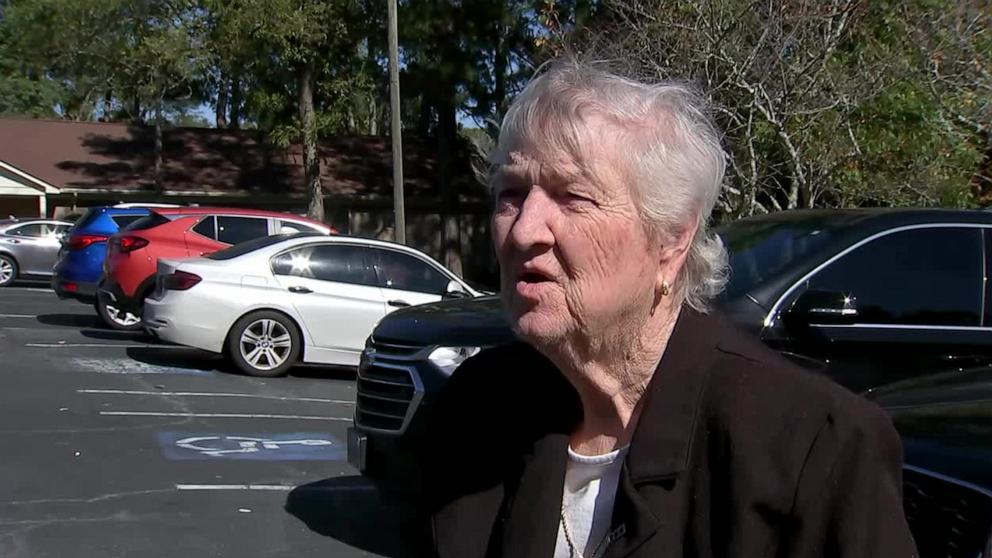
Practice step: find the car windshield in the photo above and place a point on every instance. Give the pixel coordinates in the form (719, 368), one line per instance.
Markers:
(761, 249)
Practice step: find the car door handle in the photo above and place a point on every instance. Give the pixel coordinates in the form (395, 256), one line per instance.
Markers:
(13, 241)
(300, 290)
(398, 303)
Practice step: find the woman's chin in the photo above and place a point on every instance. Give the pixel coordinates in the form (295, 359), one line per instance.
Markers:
(536, 327)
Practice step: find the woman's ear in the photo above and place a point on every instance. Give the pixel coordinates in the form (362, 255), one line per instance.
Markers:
(672, 257)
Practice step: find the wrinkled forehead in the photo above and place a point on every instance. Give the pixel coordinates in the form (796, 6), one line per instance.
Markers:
(570, 149)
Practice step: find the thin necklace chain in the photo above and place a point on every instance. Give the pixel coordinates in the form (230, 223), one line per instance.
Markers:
(573, 550)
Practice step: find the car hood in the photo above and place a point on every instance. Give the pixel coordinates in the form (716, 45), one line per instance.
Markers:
(945, 421)
(470, 321)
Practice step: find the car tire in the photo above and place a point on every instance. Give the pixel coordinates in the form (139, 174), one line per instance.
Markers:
(115, 318)
(264, 343)
(8, 270)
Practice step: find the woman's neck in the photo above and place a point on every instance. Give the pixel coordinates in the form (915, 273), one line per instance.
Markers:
(611, 385)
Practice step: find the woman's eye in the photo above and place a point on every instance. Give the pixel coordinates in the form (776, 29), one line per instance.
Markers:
(576, 198)
(508, 197)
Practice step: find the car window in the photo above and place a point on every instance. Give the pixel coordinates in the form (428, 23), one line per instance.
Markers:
(149, 221)
(33, 231)
(52, 229)
(207, 227)
(290, 227)
(930, 276)
(125, 220)
(233, 230)
(404, 272)
(760, 250)
(340, 263)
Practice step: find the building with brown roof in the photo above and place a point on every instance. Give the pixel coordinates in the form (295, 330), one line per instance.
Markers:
(54, 167)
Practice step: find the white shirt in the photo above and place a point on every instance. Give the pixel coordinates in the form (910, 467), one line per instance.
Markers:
(590, 491)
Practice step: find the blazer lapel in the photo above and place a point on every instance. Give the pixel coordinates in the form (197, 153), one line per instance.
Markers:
(649, 502)
(531, 529)
(462, 528)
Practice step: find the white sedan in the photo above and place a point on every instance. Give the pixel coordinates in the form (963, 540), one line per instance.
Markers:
(272, 302)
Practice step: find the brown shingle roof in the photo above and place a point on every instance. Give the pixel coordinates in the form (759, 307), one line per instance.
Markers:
(89, 156)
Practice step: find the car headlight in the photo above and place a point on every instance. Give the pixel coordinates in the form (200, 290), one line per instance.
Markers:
(449, 358)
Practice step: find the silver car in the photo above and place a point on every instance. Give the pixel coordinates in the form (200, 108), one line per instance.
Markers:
(29, 247)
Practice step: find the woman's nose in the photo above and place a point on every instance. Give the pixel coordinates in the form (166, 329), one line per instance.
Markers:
(531, 227)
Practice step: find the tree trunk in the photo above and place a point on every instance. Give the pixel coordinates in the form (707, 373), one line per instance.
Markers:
(108, 97)
(158, 148)
(311, 161)
(135, 109)
(981, 181)
(235, 119)
(220, 111)
(447, 137)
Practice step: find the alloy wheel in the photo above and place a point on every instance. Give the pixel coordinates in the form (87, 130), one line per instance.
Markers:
(120, 317)
(265, 344)
(6, 271)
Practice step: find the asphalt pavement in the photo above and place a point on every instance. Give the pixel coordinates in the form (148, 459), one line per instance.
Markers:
(112, 444)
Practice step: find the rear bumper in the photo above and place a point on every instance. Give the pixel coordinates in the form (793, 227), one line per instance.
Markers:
(66, 288)
(185, 320)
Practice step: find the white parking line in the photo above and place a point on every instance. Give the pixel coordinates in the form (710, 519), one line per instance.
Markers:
(211, 394)
(29, 289)
(282, 487)
(103, 346)
(18, 316)
(273, 487)
(217, 415)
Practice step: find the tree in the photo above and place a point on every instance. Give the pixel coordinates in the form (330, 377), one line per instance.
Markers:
(819, 99)
(955, 54)
(301, 38)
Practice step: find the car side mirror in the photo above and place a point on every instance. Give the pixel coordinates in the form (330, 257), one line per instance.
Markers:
(455, 290)
(815, 307)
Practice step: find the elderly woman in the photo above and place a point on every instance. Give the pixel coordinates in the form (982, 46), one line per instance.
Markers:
(631, 420)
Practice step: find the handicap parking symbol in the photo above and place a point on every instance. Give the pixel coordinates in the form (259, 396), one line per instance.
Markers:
(294, 446)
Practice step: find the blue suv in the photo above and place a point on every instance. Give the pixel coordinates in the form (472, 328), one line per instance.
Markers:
(80, 262)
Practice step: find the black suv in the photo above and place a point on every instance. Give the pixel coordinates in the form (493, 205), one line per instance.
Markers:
(867, 297)
(947, 481)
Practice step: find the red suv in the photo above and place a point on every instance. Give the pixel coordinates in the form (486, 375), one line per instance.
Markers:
(176, 233)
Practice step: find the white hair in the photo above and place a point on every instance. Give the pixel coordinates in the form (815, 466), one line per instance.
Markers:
(666, 139)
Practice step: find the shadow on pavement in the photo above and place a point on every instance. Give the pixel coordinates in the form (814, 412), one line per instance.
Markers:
(71, 320)
(192, 359)
(111, 335)
(323, 372)
(351, 510)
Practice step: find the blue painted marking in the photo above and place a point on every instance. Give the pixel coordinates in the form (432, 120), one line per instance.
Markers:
(289, 446)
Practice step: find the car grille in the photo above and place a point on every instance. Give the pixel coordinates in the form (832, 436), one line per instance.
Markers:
(947, 520)
(388, 349)
(386, 394)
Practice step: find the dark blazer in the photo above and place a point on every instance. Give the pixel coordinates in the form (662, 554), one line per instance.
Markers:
(738, 453)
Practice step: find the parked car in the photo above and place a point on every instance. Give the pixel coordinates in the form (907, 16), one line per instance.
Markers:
(29, 247)
(947, 438)
(867, 297)
(272, 302)
(80, 262)
(184, 232)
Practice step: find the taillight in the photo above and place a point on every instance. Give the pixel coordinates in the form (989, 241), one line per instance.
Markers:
(131, 243)
(180, 281)
(80, 241)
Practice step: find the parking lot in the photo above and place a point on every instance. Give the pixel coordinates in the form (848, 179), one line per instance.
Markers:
(115, 445)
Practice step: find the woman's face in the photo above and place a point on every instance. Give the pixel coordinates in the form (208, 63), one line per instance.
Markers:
(576, 261)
